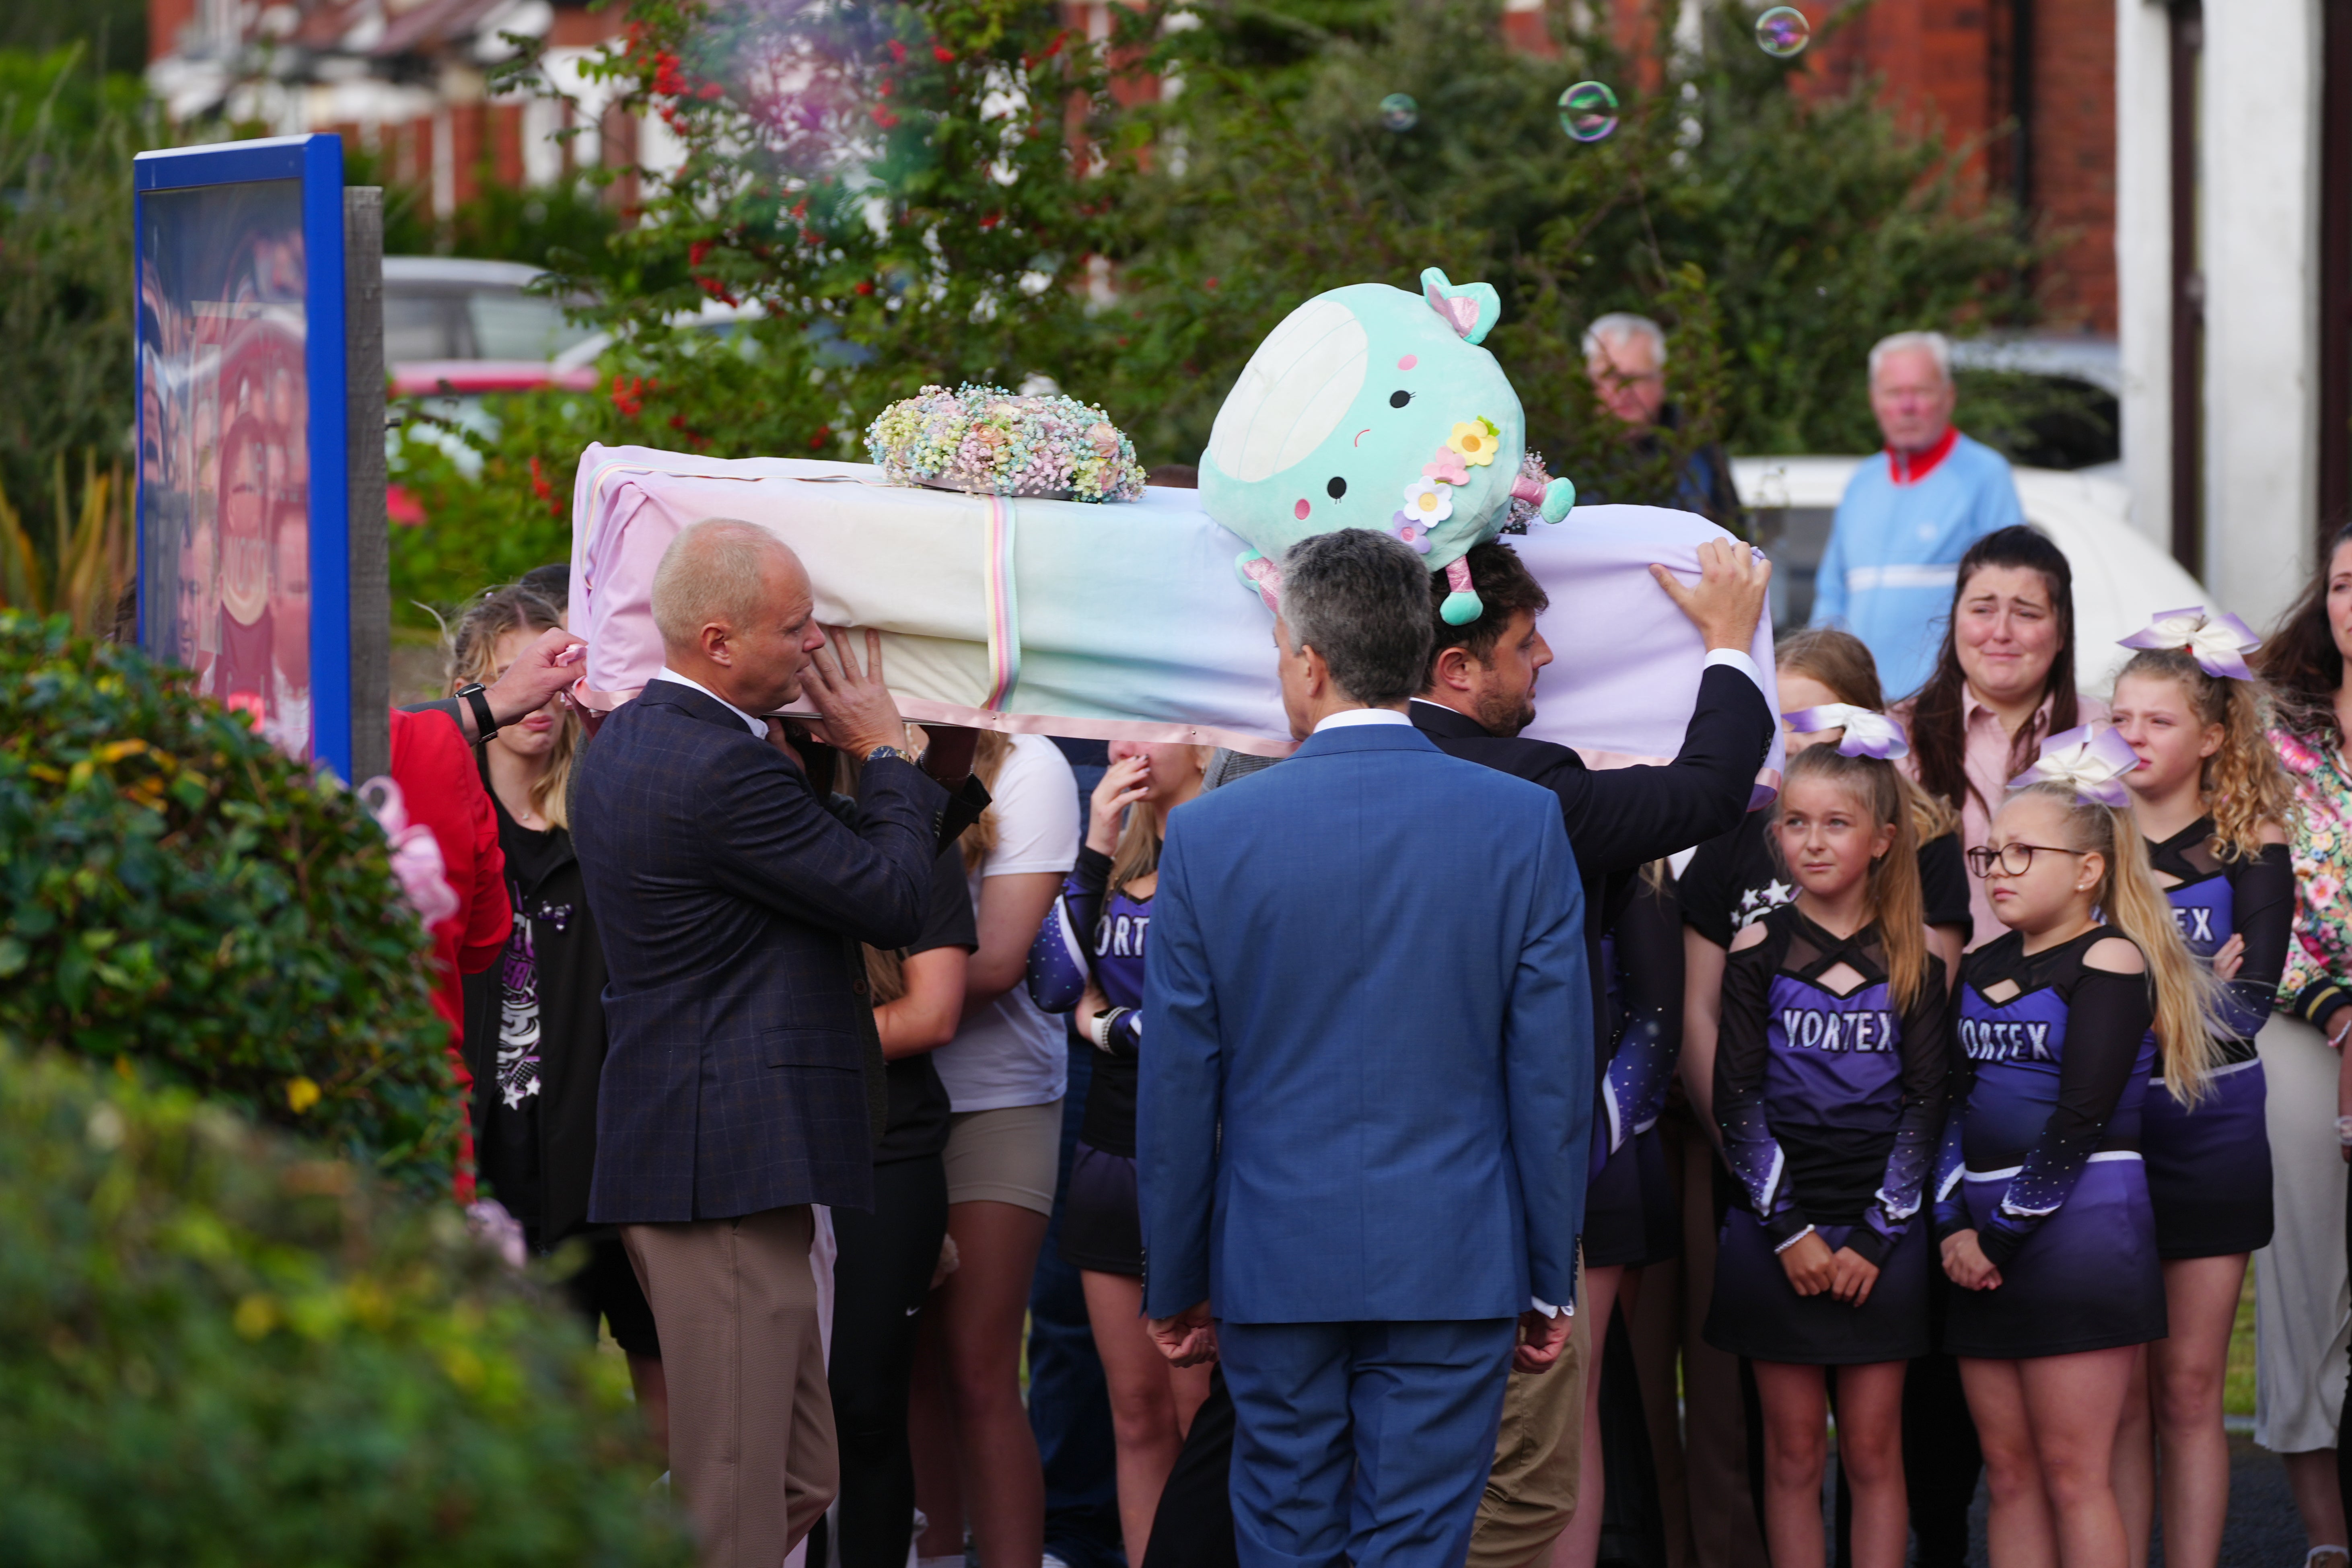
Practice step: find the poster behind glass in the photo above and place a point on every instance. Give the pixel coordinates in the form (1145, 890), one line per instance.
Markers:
(224, 464)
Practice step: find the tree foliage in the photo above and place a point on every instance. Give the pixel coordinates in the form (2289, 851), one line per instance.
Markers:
(221, 1349)
(176, 892)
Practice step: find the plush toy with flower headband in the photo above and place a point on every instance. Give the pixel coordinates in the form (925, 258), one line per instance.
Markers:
(1371, 407)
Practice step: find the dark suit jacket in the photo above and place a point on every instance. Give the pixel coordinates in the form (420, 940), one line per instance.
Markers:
(1621, 819)
(742, 1072)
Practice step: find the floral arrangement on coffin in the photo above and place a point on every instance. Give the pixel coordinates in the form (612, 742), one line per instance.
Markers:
(990, 441)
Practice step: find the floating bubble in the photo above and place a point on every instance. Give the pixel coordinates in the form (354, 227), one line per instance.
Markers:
(1400, 113)
(1588, 111)
(1783, 32)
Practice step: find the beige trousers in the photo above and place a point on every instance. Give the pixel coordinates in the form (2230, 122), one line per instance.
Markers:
(750, 1418)
(1531, 1490)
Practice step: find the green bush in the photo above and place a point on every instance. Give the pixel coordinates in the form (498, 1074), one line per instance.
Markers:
(219, 1349)
(174, 890)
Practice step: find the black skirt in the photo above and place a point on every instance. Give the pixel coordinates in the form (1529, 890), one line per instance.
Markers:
(1102, 1227)
(1756, 1313)
(2086, 1279)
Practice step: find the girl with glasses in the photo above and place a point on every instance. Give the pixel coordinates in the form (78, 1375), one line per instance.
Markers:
(2041, 1201)
(2213, 800)
(1830, 1090)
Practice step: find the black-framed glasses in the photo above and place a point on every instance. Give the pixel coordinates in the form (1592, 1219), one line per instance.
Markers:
(2012, 859)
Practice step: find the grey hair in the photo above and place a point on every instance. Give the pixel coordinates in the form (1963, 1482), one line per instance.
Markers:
(1938, 347)
(1361, 600)
(1618, 326)
(711, 572)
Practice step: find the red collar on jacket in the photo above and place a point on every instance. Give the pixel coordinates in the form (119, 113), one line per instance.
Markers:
(1910, 468)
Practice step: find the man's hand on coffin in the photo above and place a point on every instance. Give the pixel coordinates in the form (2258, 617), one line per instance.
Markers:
(858, 711)
(947, 758)
(1728, 598)
(549, 666)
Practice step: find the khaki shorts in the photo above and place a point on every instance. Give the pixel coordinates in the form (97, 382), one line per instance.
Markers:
(1009, 1155)
(1531, 1491)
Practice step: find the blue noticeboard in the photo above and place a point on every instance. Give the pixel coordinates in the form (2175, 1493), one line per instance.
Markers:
(243, 493)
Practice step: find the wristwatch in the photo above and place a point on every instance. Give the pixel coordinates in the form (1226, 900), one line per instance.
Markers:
(878, 752)
(473, 694)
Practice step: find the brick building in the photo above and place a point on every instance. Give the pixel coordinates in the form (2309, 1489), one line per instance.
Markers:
(408, 80)
(2027, 86)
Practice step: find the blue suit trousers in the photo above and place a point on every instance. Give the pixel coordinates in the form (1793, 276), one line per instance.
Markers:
(1362, 1443)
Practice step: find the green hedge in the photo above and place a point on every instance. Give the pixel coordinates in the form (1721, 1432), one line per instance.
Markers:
(219, 1349)
(175, 892)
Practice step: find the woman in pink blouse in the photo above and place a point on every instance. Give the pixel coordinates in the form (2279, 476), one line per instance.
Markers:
(2004, 682)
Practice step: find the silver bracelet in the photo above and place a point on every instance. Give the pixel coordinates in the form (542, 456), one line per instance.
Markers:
(1103, 1022)
(2344, 1131)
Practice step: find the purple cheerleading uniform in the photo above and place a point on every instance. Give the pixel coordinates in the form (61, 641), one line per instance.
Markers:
(2209, 1166)
(2043, 1158)
(1830, 1104)
(1630, 1218)
(1086, 934)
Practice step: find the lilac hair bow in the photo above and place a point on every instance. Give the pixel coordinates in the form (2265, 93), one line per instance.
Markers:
(1868, 733)
(2092, 764)
(2218, 643)
(416, 862)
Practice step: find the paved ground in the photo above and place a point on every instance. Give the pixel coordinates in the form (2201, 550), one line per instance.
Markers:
(2262, 1532)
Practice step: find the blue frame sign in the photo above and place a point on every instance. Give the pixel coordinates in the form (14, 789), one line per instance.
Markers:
(244, 494)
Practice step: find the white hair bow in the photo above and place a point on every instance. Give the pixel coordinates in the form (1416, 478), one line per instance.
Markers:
(2218, 643)
(2092, 764)
(1868, 733)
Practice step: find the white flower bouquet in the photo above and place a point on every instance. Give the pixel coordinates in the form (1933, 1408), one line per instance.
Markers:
(988, 441)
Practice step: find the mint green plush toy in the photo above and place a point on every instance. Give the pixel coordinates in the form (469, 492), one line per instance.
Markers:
(1371, 407)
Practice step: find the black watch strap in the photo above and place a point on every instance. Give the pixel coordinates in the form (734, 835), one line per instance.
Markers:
(476, 697)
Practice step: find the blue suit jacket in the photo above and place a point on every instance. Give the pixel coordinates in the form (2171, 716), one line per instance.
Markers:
(731, 903)
(1367, 1074)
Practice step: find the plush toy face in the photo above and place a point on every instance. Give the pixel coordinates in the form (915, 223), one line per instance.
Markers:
(1371, 407)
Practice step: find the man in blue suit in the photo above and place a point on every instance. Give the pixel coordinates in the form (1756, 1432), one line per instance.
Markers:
(743, 1080)
(1362, 1119)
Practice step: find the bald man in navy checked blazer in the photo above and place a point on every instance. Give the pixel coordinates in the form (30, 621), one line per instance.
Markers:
(744, 1082)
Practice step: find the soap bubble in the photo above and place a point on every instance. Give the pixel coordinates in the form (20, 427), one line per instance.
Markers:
(1588, 111)
(1400, 113)
(1783, 32)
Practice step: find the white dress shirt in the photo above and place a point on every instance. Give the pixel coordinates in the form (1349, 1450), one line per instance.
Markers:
(756, 726)
(1348, 717)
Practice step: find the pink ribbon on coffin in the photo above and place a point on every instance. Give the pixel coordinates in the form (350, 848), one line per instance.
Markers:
(417, 863)
(2218, 642)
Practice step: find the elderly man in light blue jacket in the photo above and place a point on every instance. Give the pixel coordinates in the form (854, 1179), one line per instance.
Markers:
(1906, 521)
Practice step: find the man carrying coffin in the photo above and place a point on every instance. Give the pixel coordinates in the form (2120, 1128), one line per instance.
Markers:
(744, 1078)
(1478, 694)
(1362, 1119)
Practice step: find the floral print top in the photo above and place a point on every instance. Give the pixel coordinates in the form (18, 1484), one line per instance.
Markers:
(2318, 980)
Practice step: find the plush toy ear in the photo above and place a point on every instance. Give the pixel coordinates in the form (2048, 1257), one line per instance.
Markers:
(1463, 605)
(1471, 310)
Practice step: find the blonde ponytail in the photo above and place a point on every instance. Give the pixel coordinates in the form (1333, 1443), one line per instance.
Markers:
(2187, 998)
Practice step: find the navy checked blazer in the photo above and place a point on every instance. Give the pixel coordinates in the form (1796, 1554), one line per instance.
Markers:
(743, 1064)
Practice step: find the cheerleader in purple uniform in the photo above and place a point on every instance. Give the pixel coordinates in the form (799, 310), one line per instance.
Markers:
(1088, 961)
(2211, 799)
(2042, 1198)
(1830, 1089)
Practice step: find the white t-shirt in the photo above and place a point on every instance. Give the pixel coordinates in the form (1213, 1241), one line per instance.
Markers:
(1009, 1053)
